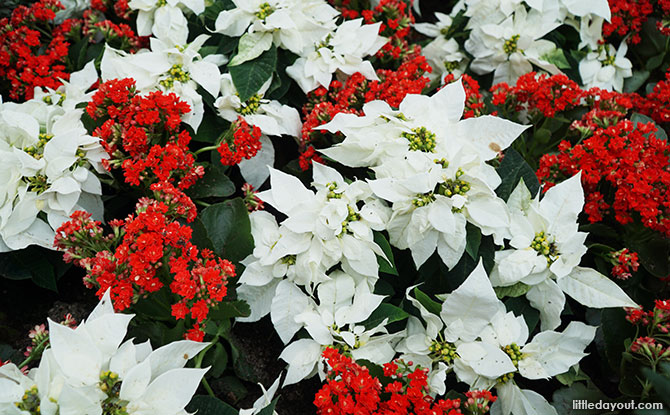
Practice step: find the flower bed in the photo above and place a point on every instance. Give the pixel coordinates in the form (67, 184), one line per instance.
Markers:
(366, 207)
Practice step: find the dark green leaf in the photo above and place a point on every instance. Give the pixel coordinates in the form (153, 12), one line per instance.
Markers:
(512, 168)
(654, 62)
(660, 382)
(212, 12)
(250, 76)
(385, 311)
(543, 135)
(634, 83)
(45, 267)
(472, 240)
(430, 305)
(214, 183)
(228, 228)
(615, 330)
(563, 399)
(217, 359)
(384, 265)
(155, 306)
(231, 388)
(209, 405)
(230, 309)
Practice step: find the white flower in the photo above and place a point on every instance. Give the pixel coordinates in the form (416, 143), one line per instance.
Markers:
(72, 92)
(80, 361)
(511, 48)
(165, 18)
(342, 51)
(166, 67)
(272, 117)
(443, 54)
(606, 67)
(290, 24)
(342, 303)
(44, 172)
(548, 246)
(339, 218)
(432, 166)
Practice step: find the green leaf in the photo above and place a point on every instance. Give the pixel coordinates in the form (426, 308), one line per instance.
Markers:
(543, 135)
(228, 228)
(214, 183)
(615, 330)
(636, 81)
(230, 309)
(571, 376)
(660, 382)
(217, 359)
(230, 387)
(385, 311)
(250, 76)
(430, 305)
(516, 290)
(472, 240)
(211, 128)
(251, 46)
(556, 57)
(563, 399)
(654, 62)
(511, 169)
(209, 405)
(384, 265)
(45, 267)
(212, 12)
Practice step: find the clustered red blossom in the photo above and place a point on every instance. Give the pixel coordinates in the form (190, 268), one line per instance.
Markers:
(657, 103)
(244, 143)
(34, 50)
(251, 200)
(654, 346)
(631, 160)
(543, 94)
(349, 97)
(27, 58)
(151, 248)
(351, 389)
(625, 263)
(142, 134)
(628, 16)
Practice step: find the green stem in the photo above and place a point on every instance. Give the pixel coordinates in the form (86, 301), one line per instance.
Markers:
(36, 351)
(208, 388)
(198, 364)
(208, 148)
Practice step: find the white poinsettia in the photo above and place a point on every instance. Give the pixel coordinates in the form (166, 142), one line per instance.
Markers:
(512, 47)
(342, 50)
(343, 303)
(46, 168)
(339, 219)
(67, 96)
(606, 67)
(452, 338)
(88, 368)
(271, 116)
(290, 24)
(171, 68)
(546, 251)
(431, 166)
(443, 54)
(165, 18)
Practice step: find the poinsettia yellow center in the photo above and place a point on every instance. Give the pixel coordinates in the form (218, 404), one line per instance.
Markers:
(420, 139)
(511, 45)
(514, 352)
(442, 351)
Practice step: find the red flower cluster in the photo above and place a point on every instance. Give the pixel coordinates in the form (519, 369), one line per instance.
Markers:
(27, 59)
(543, 94)
(627, 17)
(657, 103)
(132, 260)
(624, 262)
(631, 160)
(323, 104)
(351, 389)
(141, 134)
(117, 35)
(244, 143)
